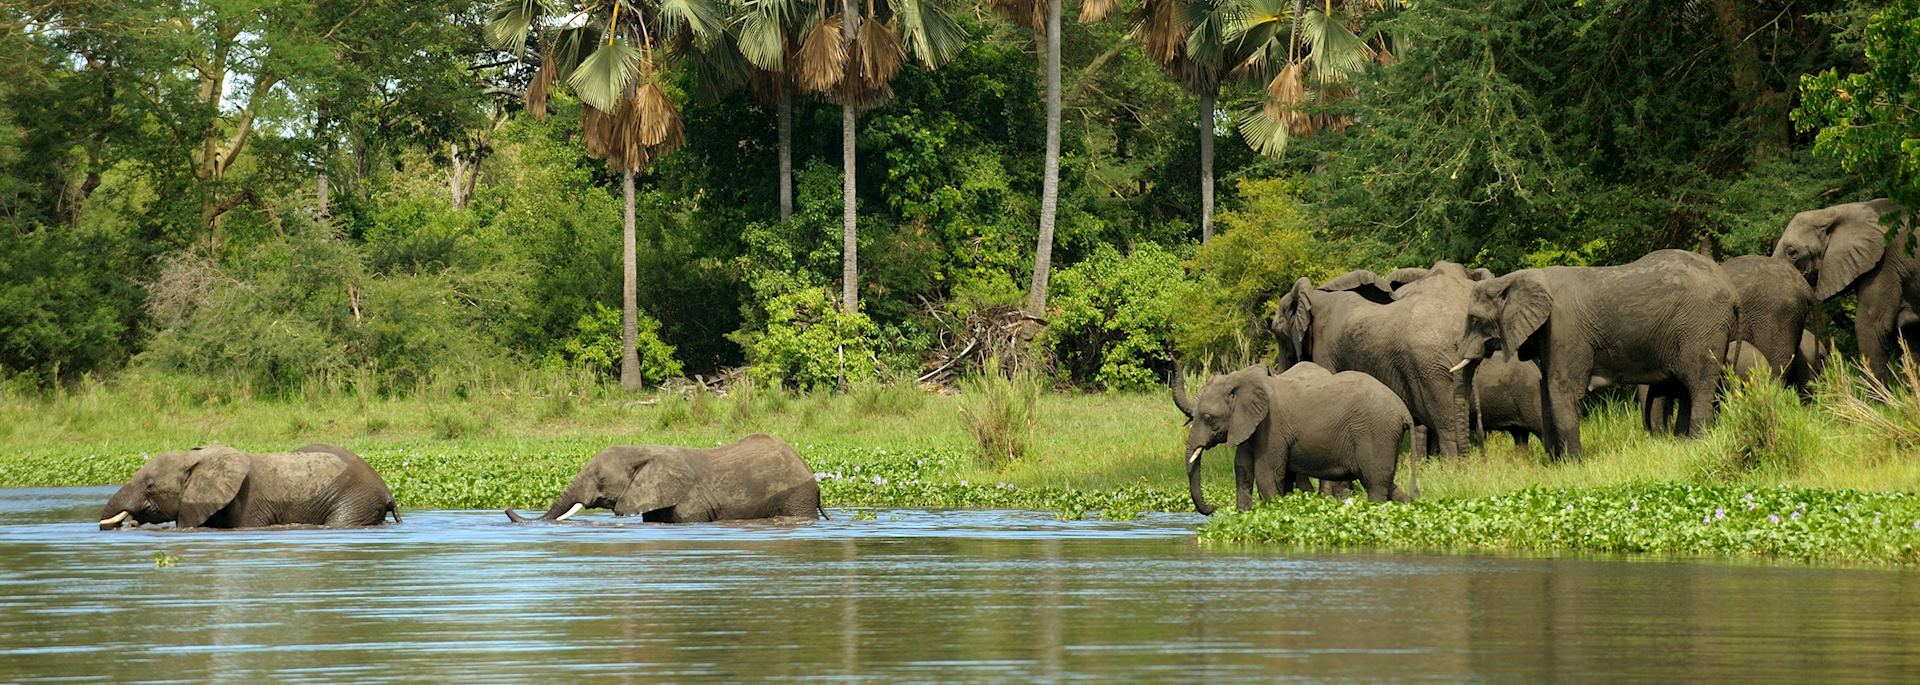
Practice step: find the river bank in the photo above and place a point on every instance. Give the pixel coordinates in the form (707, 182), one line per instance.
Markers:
(1840, 494)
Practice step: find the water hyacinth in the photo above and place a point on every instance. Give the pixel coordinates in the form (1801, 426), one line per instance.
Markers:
(1677, 520)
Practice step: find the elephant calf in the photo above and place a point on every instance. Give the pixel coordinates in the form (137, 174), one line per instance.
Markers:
(219, 487)
(755, 478)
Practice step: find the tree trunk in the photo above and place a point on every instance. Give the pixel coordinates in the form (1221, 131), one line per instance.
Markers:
(322, 185)
(629, 307)
(1765, 109)
(1050, 181)
(453, 176)
(1206, 164)
(785, 120)
(849, 232)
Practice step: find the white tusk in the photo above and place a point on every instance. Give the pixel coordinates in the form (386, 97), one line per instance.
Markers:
(570, 512)
(1195, 456)
(117, 518)
(1457, 367)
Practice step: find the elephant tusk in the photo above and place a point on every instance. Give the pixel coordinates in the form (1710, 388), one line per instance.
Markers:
(570, 512)
(1195, 456)
(1457, 367)
(117, 518)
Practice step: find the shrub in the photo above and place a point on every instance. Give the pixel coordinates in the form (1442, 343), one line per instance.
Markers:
(1111, 316)
(595, 345)
(809, 343)
(1759, 427)
(1001, 413)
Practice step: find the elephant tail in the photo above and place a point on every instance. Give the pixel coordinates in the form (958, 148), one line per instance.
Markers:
(823, 511)
(393, 508)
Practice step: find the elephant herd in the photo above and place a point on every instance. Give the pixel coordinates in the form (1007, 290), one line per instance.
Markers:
(1430, 356)
(1447, 353)
(323, 485)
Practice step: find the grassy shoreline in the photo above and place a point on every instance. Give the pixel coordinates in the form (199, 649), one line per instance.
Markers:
(517, 443)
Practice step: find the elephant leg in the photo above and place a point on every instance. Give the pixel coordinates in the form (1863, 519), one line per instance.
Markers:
(1560, 401)
(1873, 324)
(1697, 405)
(1519, 437)
(1243, 475)
(1266, 480)
(1291, 480)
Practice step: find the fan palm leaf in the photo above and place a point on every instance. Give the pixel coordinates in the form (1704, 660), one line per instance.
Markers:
(603, 78)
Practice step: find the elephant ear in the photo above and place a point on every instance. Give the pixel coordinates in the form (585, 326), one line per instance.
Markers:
(1478, 274)
(1399, 278)
(1365, 283)
(661, 479)
(1249, 402)
(1294, 316)
(1526, 304)
(214, 477)
(1855, 242)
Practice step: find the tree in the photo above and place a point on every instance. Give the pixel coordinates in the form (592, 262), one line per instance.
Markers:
(1302, 57)
(1870, 121)
(619, 71)
(855, 70)
(769, 33)
(1043, 16)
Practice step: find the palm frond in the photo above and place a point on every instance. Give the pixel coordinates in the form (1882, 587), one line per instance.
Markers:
(603, 78)
(1263, 133)
(1027, 14)
(877, 52)
(1333, 49)
(654, 115)
(761, 32)
(704, 20)
(931, 33)
(822, 58)
(510, 21)
(1097, 10)
(1162, 34)
(538, 89)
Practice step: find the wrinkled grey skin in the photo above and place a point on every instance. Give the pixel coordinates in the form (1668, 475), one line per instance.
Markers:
(757, 477)
(1405, 337)
(216, 486)
(1507, 395)
(1842, 249)
(1668, 316)
(1306, 422)
(1774, 303)
(1657, 408)
(1808, 362)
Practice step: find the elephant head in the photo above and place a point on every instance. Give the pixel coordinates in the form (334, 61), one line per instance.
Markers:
(1229, 410)
(187, 488)
(1291, 319)
(629, 480)
(1835, 246)
(1504, 314)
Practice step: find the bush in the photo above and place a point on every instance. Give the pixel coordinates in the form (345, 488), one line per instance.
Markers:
(64, 304)
(1001, 413)
(595, 345)
(1112, 316)
(1759, 427)
(1263, 247)
(809, 343)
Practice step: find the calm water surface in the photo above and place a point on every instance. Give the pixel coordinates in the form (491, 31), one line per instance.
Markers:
(459, 596)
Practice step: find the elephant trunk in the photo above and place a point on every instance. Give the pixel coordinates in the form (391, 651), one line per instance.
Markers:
(1193, 482)
(1179, 383)
(569, 502)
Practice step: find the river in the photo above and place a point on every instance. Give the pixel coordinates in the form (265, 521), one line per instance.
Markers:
(905, 596)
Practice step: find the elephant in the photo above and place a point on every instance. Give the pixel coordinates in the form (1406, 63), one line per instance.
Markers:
(1305, 422)
(216, 486)
(1506, 397)
(1405, 338)
(1809, 361)
(757, 477)
(1844, 248)
(1656, 408)
(1668, 316)
(1774, 302)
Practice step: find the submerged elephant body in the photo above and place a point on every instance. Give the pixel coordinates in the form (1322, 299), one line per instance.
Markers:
(1306, 422)
(219, 487)
(757, 477)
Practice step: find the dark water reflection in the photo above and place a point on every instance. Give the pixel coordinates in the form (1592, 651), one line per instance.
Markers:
(913, 596)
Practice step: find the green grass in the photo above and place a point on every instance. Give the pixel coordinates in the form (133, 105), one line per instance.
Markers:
(452, 445)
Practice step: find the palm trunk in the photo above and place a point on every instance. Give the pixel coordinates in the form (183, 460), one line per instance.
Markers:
(1206, 164)
(629, 312)
(453, 176)
(849, 233)
(1050, 182)
(785, 119)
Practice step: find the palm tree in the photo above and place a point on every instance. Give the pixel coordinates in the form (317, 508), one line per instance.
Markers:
(1043, 16)
(851, 59)
(1204, 43)
(615, 54)
(769, 32)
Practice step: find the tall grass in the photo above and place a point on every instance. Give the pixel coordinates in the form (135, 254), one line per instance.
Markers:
(1000, 412)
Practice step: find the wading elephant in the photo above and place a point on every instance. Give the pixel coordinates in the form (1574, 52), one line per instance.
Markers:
(1306, 422)
(219, 487)
(1406, 338)
(755, 478)
(1843, 248)
(1668, 316)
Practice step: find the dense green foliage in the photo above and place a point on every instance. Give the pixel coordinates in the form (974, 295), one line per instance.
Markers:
(276, 191)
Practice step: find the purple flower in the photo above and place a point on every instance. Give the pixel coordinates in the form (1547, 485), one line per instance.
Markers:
(879, 481)
(1719, 513)
(1635, 507)
(1773, 518)
(1569, 507)
(1706, 520)
(1796, 516)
